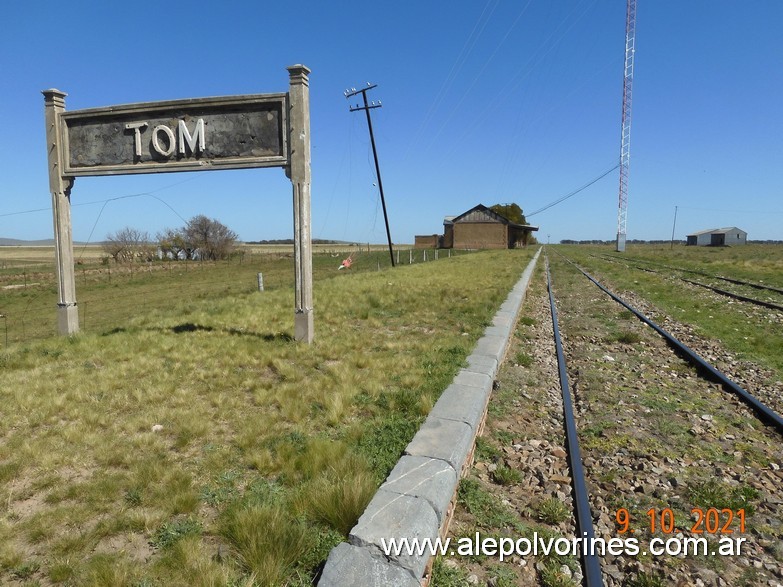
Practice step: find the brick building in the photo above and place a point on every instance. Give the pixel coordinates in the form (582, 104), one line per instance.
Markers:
(482, 228)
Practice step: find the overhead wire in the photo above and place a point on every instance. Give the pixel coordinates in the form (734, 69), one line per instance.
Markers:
(524, 123)
(731, 211)
(137, 195)
(523, 72)
(346, 148)
(573, 193)
(462, 56)
(478, 75)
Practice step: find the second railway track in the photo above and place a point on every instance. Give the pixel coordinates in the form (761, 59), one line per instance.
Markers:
(775, 302)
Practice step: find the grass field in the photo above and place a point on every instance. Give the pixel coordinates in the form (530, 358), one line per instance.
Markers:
(191, 442)
(184, 439)
(109, 295)
(753, 333)
(753, 262)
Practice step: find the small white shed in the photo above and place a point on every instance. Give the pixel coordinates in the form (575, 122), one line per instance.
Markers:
(718, 237)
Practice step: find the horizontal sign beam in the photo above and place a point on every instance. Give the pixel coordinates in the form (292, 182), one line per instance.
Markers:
(183, 135)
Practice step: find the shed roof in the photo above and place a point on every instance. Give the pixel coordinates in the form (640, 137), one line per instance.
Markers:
(717, 231)
(481, 213)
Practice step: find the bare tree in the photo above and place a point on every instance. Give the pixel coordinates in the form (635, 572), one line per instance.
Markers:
(129, 244)
(212, 239)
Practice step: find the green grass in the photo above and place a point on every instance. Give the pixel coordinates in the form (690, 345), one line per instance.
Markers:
(197, 444)
(445, 576)
(523, 359)
(506, 476)
(645, 580)
(628, 337)
(109, 296)
(171, 532)
(713, 494)
(487, 509)
(486, 451)
(552, 511)
(754, 337)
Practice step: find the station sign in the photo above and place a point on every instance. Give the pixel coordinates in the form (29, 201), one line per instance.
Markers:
(183, 135)
(197, 134)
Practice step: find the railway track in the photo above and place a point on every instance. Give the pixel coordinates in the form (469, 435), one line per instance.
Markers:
(752, 284)
(764, 412)
(658, 441)
(723, 292)
(591, 566)
(592, 576)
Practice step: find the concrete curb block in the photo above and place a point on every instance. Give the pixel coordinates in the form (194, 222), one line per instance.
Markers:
(352, 565)
(463, 404)
(447, 440)
(431, 479)
(482, 364)
(393, 514)
(416, 499)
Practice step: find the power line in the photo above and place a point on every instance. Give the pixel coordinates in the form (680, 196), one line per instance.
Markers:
(149, 193)
(462, 57)
(477, 77)
(733, 211)
(576, 191)
(515, 81)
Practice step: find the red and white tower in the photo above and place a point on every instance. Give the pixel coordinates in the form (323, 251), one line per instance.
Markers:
(625, 149)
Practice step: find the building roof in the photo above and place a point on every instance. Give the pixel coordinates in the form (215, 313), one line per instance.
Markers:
(481, 213)
(717, 231)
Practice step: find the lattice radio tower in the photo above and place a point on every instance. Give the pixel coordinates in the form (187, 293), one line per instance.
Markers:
(625, 148)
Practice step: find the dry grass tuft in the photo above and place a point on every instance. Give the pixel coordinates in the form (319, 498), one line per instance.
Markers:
(266, 540)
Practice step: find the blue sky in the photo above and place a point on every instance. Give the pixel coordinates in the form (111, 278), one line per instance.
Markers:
(488, 101)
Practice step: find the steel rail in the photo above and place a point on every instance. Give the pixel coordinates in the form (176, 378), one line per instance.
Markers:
(722, 292)
(764, 412)
(729, 294)
(704, 274)
(591, 565)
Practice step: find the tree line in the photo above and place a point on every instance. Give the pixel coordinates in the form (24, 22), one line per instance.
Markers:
(201, 238)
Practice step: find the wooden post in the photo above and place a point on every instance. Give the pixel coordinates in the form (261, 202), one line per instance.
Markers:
(60, 188)
(298, 171)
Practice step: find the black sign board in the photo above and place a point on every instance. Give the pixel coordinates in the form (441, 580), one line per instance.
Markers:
(183, 135)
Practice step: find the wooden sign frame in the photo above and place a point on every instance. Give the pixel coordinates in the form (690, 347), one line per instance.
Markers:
(232, 132)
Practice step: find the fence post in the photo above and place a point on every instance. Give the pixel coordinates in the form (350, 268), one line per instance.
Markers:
(410, 256)
(260, 282)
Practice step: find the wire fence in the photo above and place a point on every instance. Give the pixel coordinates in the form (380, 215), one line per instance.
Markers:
(110, 296)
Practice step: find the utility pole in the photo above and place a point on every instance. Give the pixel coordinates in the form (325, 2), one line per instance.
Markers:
(367, 107)
(674, 225)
